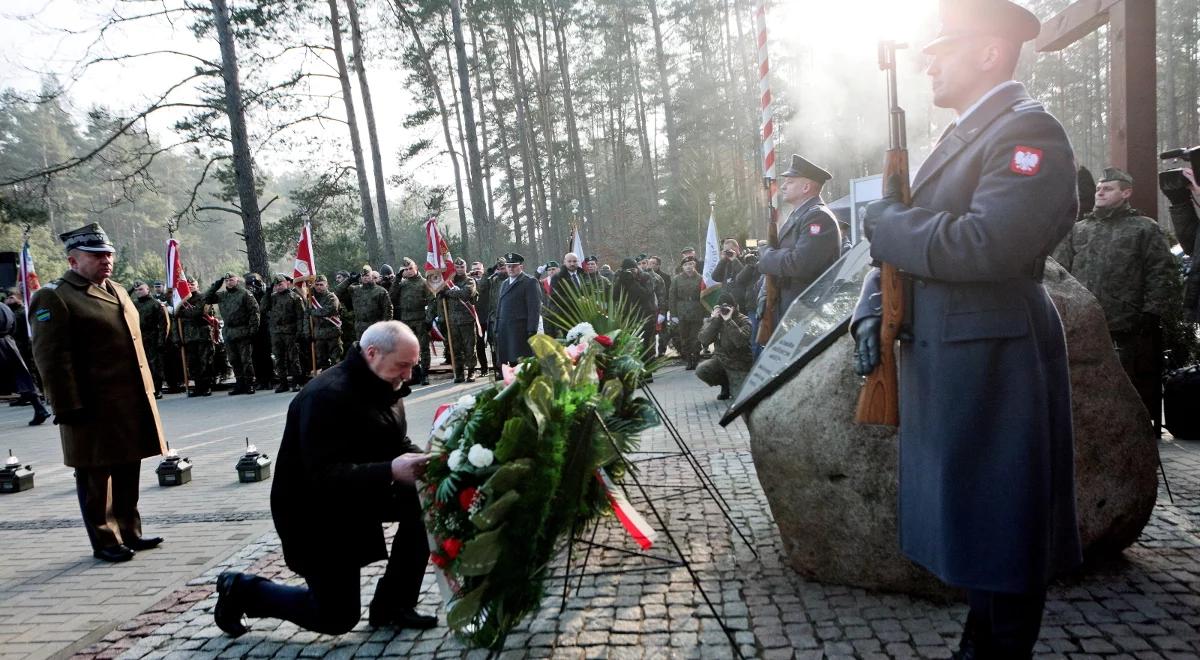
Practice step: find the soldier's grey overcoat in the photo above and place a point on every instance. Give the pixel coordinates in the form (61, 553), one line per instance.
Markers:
(987, 495)
(809, 242)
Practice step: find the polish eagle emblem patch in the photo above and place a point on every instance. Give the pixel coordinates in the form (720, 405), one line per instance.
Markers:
(814, 229)
(1026, 161)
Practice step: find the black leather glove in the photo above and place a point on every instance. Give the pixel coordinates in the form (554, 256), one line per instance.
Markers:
(354, 279)
(876, 209)
(866, 345)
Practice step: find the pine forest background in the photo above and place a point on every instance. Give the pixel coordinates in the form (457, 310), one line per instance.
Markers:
(637, 109)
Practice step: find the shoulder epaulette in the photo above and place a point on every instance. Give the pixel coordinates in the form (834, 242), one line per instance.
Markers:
(52, 285)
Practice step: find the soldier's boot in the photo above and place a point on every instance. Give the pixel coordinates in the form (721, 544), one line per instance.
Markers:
(458, 376)
(283, 386)
(239, 387)
(40, 412)
(471, 375)
(724, 395)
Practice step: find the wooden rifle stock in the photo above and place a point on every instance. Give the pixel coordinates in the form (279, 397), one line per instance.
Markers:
(766, 322)
(879, 399)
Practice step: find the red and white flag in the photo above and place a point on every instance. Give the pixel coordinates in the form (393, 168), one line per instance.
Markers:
(176, 279)
(631, 520)
(29, 281)
(306, 261)
(437, 254)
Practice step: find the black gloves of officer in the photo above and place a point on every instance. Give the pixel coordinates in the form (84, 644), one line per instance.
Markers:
(866, 344)
(877, 208)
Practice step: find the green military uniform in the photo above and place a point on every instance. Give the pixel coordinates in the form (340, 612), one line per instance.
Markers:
(410, 297)
(458, 299)
(369, 302)
(1123, 258)
(193, 317)
(285, 314)
(732, 358)
(685, 305)
(325, 310)
(155, 327)
(240, 312)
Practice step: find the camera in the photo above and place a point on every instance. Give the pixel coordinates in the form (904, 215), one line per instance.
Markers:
(1172, 182)
(725, 309)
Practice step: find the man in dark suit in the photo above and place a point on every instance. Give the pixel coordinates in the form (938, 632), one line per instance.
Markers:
(566, 283)
(987, 492)
(325, 483)
(518, 311)
(809, 241)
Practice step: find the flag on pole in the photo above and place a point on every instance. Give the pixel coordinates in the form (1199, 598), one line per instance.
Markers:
(437, 254)
(306, 262)
(176, 279)
(29, 281)
(712, 250)
(577, 242)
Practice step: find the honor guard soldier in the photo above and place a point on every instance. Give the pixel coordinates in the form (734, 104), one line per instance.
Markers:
(284, 310)
(518, 311)
(460, 296)
(197, 325)
(326, 309)
(411, 296)
(86, 338)
(156, 327)
(688, 312)
(986, 496)
(809, 241)
(1123, 258)
(240, 312)
(362, 294)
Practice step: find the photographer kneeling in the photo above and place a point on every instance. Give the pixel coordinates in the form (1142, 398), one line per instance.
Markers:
(344, 468)
(729, 330)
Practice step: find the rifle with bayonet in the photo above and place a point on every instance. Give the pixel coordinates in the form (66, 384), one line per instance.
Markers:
(879, 400)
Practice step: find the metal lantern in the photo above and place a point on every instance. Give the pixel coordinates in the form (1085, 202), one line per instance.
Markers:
(253, 466)
(15, 477)
(173, 470)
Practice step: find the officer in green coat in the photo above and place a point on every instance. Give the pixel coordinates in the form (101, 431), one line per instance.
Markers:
(195, 321)
(326, 312)
(458, 299)
(284, 310)
(1123, 258)
(410, 296)
(156, 325)
(687, 311)
(239, 310)
(369, 301)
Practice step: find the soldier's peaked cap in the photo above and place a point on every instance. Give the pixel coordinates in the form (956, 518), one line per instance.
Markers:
(996, 18)
(1116, 174)
(89, 238)
(513, 258)
(802, 167)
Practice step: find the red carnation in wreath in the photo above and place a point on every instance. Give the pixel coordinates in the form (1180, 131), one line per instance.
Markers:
(604, 340)
(452, 547)
(466, 497)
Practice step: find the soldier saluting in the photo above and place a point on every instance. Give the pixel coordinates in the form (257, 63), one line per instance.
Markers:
(240, 312)
(987, 488)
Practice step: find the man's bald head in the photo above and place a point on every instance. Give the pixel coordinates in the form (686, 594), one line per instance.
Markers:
(391, 351)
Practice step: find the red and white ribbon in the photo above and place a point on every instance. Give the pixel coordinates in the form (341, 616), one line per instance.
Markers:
(631, 520)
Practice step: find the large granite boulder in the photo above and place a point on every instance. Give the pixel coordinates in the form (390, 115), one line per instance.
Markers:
(831, 483)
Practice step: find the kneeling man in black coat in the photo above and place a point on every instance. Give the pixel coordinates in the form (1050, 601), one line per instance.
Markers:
(344, 467)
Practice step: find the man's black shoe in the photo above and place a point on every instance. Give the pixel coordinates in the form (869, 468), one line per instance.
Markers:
(193, 394)
(281, 389)
(228, 613)
(404, 618)
(249, 390)
(295, 388)
(158, 395)
(115, 554)
(724, 395)
(145, 543)
(424, 381)
(459, 379)
(238, 389)
(39, 417)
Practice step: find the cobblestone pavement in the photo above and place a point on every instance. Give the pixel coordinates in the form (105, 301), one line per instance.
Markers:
(1146, 604)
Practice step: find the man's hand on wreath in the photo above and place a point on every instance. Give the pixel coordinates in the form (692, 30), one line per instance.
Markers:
(407, 468)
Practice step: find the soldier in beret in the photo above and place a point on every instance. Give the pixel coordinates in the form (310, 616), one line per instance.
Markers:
(326, 309)
(197, 327)
(1123, 258)
(986, 471)
(86, 338)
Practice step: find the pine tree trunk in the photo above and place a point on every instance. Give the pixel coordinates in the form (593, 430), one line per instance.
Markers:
(580, 172)
(514, 201)
(385, 226)
(364, 187)
(522, 137)
(478, 201)
(660, 61)
(243, 164)
(486, 155)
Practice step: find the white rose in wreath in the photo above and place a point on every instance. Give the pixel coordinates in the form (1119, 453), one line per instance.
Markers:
(466, 402)
(480, 456)
(456, 459)
(583, 331)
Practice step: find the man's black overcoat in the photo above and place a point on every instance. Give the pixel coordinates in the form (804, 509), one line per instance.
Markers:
(518, 315)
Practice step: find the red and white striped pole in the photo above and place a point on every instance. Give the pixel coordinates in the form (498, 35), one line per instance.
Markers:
(764, 89)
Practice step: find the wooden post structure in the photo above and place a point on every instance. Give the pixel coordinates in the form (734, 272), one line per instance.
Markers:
(1132, 100)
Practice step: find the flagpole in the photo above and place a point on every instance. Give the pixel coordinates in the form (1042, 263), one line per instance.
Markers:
(171, 275)
(766, 324)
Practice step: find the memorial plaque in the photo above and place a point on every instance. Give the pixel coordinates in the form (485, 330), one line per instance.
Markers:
(816, 319)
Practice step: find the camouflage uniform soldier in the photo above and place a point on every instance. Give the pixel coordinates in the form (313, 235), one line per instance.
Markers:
(1123, 258)
(367, 300)
(410, 297)
(688, 312)
(193, 317)
(729, 330)
(325, 308)
(285, 312)
(459, 299)
(170, 361)
(239, 309)
(155, 327)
